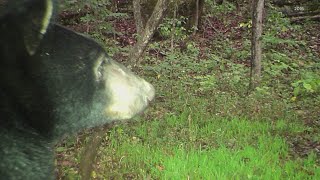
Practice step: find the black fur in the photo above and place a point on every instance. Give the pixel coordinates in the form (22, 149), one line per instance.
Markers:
(54, 84)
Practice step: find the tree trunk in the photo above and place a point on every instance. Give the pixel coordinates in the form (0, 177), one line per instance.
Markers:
(137, 17)
(256, 50)
(174, 24)
(148, 31)
(90, 151)
(196, 18)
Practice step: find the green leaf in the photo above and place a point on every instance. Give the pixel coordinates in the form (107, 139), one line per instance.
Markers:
(60, 149)
(307, 86)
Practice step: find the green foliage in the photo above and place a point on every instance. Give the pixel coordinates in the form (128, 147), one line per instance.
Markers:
(283, 26)
(228, 76)
(186, 62)
(214, 9)
(274, 16)
(97, 17)
(207, 82)
(76, 4)
(308, 85)
(247, 25)
(173, 27)
(192, 49)
(277, 64)
(271, 40)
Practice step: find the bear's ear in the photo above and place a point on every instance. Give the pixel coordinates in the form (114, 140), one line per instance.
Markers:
(37, 24)
(32, 18)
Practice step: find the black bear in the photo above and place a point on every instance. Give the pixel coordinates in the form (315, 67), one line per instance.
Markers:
(54, 82)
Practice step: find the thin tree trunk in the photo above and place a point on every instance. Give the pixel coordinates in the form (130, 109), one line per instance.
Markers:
(148, 31)
(256, 50)
(137, 17)
(197, 10)
(174, 24)
(196, 18)
(90, 151)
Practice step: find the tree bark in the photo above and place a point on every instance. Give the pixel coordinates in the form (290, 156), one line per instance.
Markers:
(256, 50)
(148, 31)
(90, 151)
(196, 18)
(174, 24)
(137, 17)
(89, 155)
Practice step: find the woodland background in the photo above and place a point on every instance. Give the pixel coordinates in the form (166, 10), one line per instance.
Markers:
(237, 90)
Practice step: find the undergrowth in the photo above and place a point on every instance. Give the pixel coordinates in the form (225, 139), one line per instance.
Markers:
(205, 123)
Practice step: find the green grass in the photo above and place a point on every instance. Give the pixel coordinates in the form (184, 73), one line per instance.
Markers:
(196, 148)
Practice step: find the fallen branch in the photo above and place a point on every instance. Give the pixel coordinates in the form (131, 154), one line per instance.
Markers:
(302, 18)
(305, 13)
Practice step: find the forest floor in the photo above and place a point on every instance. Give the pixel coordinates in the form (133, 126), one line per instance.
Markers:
(204, 122)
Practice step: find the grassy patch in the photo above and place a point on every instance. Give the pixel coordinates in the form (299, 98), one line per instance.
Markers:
(192, 147)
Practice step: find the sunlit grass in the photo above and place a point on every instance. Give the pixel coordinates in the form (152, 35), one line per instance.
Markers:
(195, 148)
